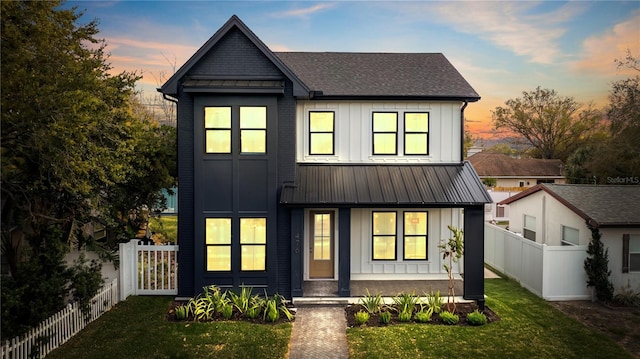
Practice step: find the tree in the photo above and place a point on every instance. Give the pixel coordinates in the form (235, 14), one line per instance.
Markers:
(76, 146)
(597, 267)
(552, 124)
(452, 250)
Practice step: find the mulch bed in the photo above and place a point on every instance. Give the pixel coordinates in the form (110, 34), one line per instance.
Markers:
(462, 309)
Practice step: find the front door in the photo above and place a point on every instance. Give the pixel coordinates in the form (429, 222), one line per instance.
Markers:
(321, 242)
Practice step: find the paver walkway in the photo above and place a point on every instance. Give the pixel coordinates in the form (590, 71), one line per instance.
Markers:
(319, 332)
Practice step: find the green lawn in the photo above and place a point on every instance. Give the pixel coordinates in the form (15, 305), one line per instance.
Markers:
(529, 328)
(166, 226)
(137, 328)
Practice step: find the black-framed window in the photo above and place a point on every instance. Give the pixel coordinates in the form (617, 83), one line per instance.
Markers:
(217, 124)
(253, 129)
(416, 133)
(415, 235)
(385, 133)
(218, 244)
(253, 244)
(384, 231)
(321, 133)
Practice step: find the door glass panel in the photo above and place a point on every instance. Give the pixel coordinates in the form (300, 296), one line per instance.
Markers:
(322, 237)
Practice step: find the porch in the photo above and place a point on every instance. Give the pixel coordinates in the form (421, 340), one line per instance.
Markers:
(386, 288)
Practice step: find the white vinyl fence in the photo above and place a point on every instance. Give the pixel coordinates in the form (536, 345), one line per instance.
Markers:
(148, 269)
(554, 273)
(60, 327)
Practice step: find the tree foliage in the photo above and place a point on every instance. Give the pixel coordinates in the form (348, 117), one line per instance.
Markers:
(76, 148)
(597, 267)
(553, 125)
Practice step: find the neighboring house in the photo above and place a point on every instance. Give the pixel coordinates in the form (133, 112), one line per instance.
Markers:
(560, 214)
(511, 175)
(299, 166)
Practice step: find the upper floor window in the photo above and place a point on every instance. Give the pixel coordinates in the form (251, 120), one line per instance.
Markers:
(416, 133)
(253, 129)
(321, 132)
(529, 227)
(570, 236)
(385, 133)
(217, 124)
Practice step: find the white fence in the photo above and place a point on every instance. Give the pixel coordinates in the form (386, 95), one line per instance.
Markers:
(60, 327)
(148, 269)
(552, 272)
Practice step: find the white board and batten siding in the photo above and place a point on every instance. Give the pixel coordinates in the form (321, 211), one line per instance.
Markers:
(353, 131)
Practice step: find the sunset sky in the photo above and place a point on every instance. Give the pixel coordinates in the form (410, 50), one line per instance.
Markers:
(501, 48)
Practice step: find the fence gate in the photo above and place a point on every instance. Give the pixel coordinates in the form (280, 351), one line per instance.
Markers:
(148, 269)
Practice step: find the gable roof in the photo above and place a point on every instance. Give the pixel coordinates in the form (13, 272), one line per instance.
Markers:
(450, 185)
(488, 164)
(600, 206)
(171, 86)
(349, 74)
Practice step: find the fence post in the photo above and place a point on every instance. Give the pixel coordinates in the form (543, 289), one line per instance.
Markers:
(128, 275)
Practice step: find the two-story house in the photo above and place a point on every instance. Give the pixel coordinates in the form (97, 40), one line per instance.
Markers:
(302, 166)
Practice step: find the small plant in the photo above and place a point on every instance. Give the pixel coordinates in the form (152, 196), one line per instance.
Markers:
(362, 317)
(404, 316)
(372, 303)
(424, 316)
(385, 317)
(255, 307)
(227, 311)
(182, 312)
(434, 301)
(274, 306)
(449, 318)
(476, 318)
(627, 297)
(241, 301)
(406, 302)
(452, 249)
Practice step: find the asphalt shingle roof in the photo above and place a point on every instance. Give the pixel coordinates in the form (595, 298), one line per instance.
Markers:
(604, 205)
(379, 74)
(500, 165)
(385, 185)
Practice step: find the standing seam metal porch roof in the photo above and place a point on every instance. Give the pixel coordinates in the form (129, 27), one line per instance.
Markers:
(448, 185)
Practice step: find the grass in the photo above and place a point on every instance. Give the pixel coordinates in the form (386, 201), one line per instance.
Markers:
(137, 328)
(166, 226)
(529, 327)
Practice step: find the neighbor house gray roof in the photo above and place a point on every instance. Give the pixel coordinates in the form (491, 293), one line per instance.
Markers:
(356, 74)
(601, 206)
(490, 164)
(385, 186)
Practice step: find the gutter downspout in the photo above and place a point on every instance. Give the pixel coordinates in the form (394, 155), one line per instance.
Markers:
(462, 130)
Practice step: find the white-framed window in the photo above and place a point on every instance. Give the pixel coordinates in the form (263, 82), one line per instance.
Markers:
(570, 236)
(529, 227)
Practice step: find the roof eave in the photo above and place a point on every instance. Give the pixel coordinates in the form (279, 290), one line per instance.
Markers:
(319, 96)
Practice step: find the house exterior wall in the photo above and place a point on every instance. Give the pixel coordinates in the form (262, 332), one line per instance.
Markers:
(612, 240)
(528, 182)
(353, 131)
(550, 215)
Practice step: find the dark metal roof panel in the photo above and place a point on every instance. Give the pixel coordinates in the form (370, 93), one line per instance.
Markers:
(385, 185)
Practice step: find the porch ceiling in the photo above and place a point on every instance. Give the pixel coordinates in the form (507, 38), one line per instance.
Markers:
(445, 185)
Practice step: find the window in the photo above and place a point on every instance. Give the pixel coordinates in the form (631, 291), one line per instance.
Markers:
(415, 235)
(529, 228)
(385, 133)
(253, 129)
(253, 243)
(321, 129)
(217, 124)
(416, 133)
(384, 235)
(499, 211)
(218, 243)
(631, 253)
(570, 236)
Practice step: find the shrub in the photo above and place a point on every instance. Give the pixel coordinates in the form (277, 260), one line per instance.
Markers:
(435, 301)
(227, 311)
(182, 312)
(423, 316)
(626, 296)
(385, 317)
(86, 280)
(362, 317)
(597, 267)
(241, 301)
(404, 316)
(372, 303)
(406, 302)
(449, 318)
(476, 318)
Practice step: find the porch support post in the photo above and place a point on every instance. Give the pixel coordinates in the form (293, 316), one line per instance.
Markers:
(344, 252)
(297, 236)
(474, 254)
